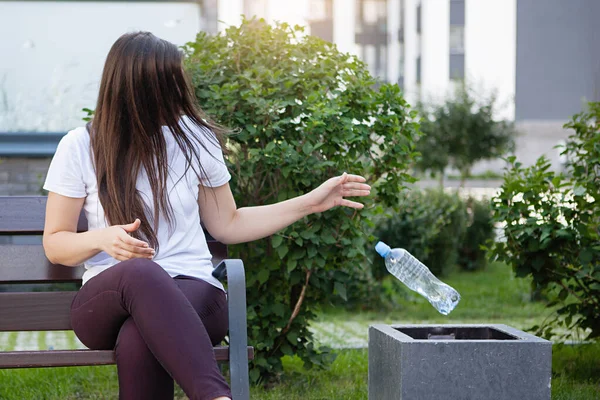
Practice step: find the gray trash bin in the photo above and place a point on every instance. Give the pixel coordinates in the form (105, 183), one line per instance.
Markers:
(466, 362)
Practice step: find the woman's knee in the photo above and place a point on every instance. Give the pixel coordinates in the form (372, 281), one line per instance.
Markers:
(141, 270)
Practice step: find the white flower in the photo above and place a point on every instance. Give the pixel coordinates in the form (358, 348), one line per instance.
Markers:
(517, 198)
(341, 86)
(562, 220)
(298, 119)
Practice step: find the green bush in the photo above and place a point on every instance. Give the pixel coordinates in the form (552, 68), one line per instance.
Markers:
(429, 224)
(553, 226)
(460, 132)
(480, 229)
(305, 112)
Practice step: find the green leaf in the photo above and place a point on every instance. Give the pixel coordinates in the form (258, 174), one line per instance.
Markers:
(579, 190)
(292, 337)
(328, 238)
(276, 241)
(545, 235)
(340, 289)
(563, 294)
(307, 148)
(286, 349)
(585, 256)
(291, 264)
(262, 276)
(282, 251)
(270, 147)
(278, 309)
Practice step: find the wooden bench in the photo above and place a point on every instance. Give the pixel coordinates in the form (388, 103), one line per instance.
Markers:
(48, 311)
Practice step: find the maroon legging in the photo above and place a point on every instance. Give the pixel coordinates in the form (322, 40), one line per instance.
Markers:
(161, 328)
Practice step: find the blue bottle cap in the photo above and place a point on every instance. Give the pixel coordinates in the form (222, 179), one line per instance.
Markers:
(383, 249)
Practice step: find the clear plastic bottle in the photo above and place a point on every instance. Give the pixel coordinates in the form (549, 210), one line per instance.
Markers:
(419, 278)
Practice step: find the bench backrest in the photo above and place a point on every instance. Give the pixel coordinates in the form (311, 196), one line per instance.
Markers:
(27, 263)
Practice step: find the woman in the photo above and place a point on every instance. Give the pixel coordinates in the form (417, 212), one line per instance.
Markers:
(145, 170)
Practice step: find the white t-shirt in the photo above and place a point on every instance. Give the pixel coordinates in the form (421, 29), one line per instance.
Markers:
(183, 248)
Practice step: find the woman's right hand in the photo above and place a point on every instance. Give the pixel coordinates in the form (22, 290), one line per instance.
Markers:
(117, 242)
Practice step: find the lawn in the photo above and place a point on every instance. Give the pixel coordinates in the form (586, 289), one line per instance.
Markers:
(492, 296)
(576, 376)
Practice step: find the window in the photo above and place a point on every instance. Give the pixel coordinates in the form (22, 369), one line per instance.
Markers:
(371, 16)
(457, 39)
(457, 12)
(371, 35)
(321, 19)
(457, 67)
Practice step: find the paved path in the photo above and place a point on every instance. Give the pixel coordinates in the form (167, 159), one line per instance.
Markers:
(348, 334)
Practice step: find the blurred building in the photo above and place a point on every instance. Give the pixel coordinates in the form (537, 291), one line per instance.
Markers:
(540, 57)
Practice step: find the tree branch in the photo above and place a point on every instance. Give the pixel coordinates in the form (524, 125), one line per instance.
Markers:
(298, 304)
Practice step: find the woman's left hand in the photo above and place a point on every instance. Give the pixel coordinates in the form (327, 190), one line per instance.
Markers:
(332, 193)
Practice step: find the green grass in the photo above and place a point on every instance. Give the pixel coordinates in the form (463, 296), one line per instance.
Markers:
(576, 372)
(576, 376)
(59, 383)
(484, 175)
(345, 379)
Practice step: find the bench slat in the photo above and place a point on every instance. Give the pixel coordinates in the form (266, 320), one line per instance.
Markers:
(25, 215)
(68, 358)
(35, 311)
(28, 264)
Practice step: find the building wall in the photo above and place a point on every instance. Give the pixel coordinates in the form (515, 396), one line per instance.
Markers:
(53, 54)
(490, 46)
(558, 58)
(435, 50)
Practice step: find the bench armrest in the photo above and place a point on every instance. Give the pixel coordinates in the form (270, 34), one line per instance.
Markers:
(238, 334)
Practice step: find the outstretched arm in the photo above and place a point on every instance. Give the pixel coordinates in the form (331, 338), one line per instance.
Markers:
(230, 225)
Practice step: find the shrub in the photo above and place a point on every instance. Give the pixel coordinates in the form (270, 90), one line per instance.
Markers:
(304, 112)
(553, 226)
(480, 229)
(460, 132)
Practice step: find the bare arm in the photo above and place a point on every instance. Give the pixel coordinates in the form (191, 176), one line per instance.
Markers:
(63, 245)
(230, 225)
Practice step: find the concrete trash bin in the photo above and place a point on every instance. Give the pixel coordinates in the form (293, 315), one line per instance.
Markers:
(466, 362)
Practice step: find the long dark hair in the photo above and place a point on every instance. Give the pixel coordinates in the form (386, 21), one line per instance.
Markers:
(143, 89)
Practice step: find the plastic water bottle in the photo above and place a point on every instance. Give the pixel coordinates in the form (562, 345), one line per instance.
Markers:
(414, 274)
